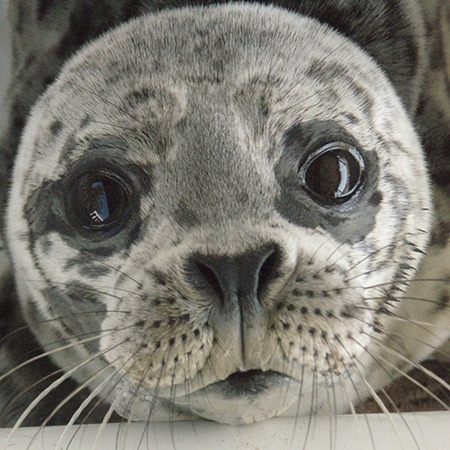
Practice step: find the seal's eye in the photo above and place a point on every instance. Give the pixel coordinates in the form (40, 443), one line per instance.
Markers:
(101, 200)
(333, 173)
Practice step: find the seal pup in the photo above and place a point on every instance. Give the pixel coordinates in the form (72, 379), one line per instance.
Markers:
(215, 211)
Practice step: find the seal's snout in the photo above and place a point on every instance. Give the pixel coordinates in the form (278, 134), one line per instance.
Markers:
(246, 275)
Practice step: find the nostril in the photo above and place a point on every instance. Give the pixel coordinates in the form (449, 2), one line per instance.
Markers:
(267, 272)
(208, 276)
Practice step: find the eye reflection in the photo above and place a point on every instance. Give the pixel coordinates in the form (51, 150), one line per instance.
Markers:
(333, 173)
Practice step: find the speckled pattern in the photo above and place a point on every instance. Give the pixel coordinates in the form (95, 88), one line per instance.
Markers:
(226, 290)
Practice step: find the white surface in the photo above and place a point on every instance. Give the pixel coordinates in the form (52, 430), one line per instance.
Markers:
(430, 431)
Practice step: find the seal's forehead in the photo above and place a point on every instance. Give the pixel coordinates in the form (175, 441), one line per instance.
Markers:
(161, 83)
(226, 45)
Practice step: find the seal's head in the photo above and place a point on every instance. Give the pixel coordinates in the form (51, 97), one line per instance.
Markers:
(209, 209)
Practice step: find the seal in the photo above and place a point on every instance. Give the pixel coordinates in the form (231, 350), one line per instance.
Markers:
(220, 211)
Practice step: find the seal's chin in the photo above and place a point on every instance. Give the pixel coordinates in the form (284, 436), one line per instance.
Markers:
(243, 397)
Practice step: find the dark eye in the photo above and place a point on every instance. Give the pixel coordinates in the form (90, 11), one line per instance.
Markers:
(100, 200)
(333, 173)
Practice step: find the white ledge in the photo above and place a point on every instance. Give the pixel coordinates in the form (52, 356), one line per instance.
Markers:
(409, 431)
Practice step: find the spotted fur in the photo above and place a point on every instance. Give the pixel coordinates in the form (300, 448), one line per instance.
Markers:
(209, 111)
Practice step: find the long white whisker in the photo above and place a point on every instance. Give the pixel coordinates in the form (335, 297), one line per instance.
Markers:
(297, 414)
(330, 371)
(349, 397)
(377, 360)
(79, 288)
(111, 389)
(105, 420)
(67, 399)
(404, 297)
(420, 367)
(154, 400)
(50, 388)
(30, 325)
(424, 326)
(380, 403)
(393, 333)
(313, 395)
(93, 394)
(59, 349)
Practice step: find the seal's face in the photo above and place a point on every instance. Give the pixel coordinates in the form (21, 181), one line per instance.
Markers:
(209, 207)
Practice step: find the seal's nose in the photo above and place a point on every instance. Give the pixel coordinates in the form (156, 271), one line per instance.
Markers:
(246, 275)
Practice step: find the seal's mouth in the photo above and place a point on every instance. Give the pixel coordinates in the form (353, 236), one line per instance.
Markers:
(250, 382)
(242, 397)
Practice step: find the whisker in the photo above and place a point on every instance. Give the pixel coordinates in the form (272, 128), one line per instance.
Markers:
(138, 283)
(372, 392)
(154, 401)
(93, 394)
(122, 432)
(297, 414)
(68, 339)
(370, 255)
(380, 403)
(188, 388)
(335, 251)
(113, 405)
(104, 422)
(377, 361)
(97, 289)
(199, 372)
(59, 349)
(79, 410)
(172, 396)
(394, 283)
(80, 288)
(50, 388)
(360, 400)
(187, 371)
(333, 424)
(87, 289)
(283, 398)
(311, 258)
(412, 280)
(349, 397)
(401, 299)
(43, 355)
(424, 326)
(30, 325)
(418, 366)
(17, 397)
(356, 415)
(435, 349)
(311, 409)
